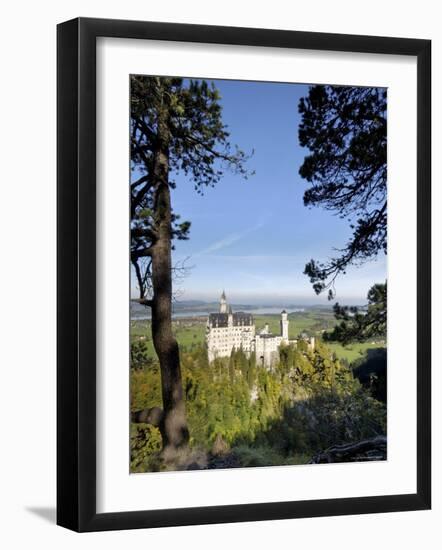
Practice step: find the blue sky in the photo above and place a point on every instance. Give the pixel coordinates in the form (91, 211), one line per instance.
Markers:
(253, 237)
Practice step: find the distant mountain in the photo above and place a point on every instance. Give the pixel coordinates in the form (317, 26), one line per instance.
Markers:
(190, 305)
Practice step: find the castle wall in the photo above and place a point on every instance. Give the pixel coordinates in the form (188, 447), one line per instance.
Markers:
(267, 349)
(222, 340)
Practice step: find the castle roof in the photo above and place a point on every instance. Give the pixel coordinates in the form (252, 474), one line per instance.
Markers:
(223, 295)
(241, 318)
(222, 319)
(218, 319)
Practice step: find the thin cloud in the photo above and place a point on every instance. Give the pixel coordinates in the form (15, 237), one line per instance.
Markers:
(229, 240)
(263, 258)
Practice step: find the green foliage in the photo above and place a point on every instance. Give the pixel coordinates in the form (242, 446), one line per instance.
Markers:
(139, 355)
(145, 388)
(250, 457)
(337, 418)
(360, 326)
(145, 445)
(305, 403)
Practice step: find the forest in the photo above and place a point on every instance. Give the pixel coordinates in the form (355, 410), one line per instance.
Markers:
(243, 415)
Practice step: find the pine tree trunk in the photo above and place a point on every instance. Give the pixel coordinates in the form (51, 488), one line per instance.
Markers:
(174, 426)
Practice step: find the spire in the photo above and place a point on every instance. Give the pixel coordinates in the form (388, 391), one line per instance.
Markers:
(230, 310)
(223, 303)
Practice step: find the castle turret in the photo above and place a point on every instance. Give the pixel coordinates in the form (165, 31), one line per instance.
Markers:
(223, 303)
(284, 326)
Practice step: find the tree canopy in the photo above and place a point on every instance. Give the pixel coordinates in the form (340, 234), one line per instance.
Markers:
(345, 130)
(356, 325)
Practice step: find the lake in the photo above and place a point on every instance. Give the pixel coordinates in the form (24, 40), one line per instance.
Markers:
(139, 312)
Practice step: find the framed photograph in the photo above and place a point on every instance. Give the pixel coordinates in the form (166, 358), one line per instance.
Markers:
(233, 204)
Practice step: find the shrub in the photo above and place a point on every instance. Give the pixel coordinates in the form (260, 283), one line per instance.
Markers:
(250, 457)
(145, 445)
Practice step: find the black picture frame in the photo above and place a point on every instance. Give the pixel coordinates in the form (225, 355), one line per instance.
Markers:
(76, 274)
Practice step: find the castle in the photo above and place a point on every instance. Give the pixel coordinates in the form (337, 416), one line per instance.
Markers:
(227, 331)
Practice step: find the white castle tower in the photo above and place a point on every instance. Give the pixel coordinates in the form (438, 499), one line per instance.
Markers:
(284, 323)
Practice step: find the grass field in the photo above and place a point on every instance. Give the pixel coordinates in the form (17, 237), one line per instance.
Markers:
(187, 331)
(310, 322)
(191, 331)
(353, 351)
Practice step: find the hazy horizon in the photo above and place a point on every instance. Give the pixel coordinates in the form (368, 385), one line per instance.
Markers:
(263, 300)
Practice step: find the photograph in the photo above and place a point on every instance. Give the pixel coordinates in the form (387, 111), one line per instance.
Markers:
(258, 273)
